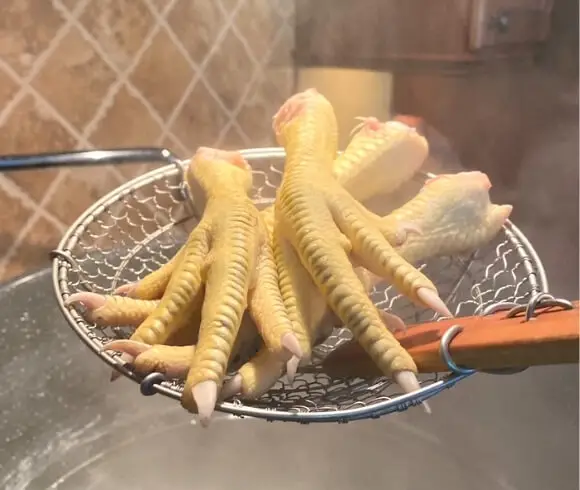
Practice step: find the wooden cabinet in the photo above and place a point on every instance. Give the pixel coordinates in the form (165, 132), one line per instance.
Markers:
(376, 33)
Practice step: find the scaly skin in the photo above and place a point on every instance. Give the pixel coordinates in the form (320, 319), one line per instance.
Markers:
(174, 360)
(379, 158)
(383, 157)
(153, 285)
(221, 254)
(228, 270)
(376, 150)
(455, 216)
(109, 310)
(324, 225)
(371, 164)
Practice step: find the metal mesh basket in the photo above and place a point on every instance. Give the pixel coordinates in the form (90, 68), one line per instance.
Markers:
(139, 226)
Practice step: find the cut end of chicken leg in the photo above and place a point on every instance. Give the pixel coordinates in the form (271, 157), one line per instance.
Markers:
(205, 397)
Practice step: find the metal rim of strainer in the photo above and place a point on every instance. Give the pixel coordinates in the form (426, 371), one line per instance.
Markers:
(63, 261)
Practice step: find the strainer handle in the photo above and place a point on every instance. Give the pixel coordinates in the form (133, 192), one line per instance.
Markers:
(494, 343)
(86, 157)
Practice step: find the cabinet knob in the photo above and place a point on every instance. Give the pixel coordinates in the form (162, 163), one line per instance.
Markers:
(500, 22)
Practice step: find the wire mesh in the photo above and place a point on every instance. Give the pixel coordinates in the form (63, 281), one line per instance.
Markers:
(138, 227)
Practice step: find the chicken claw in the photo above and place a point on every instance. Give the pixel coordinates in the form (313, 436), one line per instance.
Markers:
(374, 154)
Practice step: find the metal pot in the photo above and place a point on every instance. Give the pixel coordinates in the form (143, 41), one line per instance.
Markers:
(64, 426)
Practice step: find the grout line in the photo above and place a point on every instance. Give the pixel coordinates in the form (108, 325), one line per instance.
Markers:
(229, 18)
(245, 44)
(26, 89)
(256, 77)
(12, 103)
(43, 57)
(71, 19)
(15, 244)
(14, 190)
(122, 76)
(38, 212)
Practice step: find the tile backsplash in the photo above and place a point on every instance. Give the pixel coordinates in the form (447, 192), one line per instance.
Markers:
(113, 73)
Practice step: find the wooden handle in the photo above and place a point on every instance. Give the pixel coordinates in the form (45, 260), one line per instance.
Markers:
(486, 342)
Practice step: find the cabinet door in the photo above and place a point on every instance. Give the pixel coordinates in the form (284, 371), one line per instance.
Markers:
(496, 23)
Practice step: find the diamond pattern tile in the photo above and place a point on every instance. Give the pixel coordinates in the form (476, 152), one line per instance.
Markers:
(33, 251)
(71, 5)
(201, 119)
(119, 26)
(8, 88)
(131, 72)
(29, 117)
(284, 8)
(127, 122)
(255, 116)
(197, 24)
(233, 140)
(282, 50)
(75, 79)
(13, 212)
(230, 57)
(160, 5)
(258, 22)
(89, 184)
(162, 74)
(26, 29)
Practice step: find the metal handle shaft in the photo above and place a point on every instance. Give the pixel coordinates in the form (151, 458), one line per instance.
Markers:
(85, 158)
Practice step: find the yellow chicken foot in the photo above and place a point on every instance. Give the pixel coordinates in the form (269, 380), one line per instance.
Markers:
(454, 214)
(308, 210)
(234, 242)
(262, 371)
(370, 165)
(174, 359)
(382, 156)
(376, 150)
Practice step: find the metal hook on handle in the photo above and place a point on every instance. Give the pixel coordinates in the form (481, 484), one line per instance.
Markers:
(446, 339)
